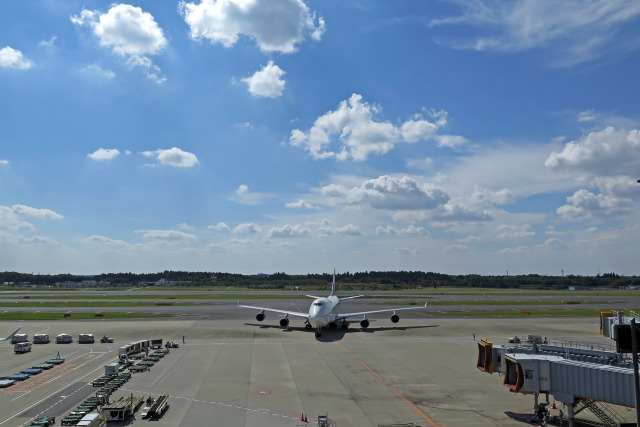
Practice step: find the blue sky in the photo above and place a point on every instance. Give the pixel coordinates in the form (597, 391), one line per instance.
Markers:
(247, 136)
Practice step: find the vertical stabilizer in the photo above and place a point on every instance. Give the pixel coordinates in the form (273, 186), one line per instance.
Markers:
(333, 284)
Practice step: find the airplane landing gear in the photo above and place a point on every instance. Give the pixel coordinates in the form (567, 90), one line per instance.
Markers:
(332, 325)
(344, 326)
(318, 334)
(307, 324)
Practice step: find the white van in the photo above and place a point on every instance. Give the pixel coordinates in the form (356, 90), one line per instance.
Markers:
(22, 347)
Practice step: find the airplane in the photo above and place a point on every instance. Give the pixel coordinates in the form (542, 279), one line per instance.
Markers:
(10, 335)
(323, 312)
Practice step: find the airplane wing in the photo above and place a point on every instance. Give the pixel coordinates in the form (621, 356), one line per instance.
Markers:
(290, 313)
(388, 310)
(10, 335)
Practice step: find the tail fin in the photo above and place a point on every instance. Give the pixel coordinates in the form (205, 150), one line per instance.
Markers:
(10, 335)
(333, 284)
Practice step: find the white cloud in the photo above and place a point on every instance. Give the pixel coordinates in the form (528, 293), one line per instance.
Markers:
(246, 197)
(219, 226)
(4, 162)
(104, 154)
(405, 252)
(267, 82)
(574, 31)
(247, 227)
(288, 231)
(515, 231)
(275, 26)
(97, 71)
(410, 230)
(167, 235)
(48, 43)
(12, 58)
(607, 152)
(173, 157)
(129, 32)
(347, 230)
(103, 241)
(299, 204)
(584, 204)
(353, 127)
(455, 247)
(12, 218)
(241, 242)
(387, 192)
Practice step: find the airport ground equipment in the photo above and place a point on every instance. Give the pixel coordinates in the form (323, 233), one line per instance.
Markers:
(31, 371)
(156, 343)
(86, 339)
(43, 422)
(92, 419)
(122, 408)
(155, 408)
(4, 383)
(64, 339)
(106, 339)
(16, 338)
(18, 377)
(22, 347)
(579, 376)
(44, 366)
(41, 339)
(112, 369)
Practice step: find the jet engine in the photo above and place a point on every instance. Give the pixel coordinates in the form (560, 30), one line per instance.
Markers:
(395, 318)
(364, 323)
(284, 322)
(260, 316)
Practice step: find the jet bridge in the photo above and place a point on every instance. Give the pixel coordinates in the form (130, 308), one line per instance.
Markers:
(574, 376)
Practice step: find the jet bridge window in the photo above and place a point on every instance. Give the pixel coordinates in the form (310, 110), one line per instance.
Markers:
(528, 374)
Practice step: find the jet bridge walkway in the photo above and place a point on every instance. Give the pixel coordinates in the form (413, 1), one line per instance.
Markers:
(578, 377)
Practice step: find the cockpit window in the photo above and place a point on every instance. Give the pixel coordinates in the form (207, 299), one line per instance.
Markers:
(317, 303)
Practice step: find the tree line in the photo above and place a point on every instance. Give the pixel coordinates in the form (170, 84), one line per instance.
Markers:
(379, 279)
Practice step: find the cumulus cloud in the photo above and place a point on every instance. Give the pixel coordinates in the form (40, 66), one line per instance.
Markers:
(104, 154)
(346, 230)
(13, 218)
(129, 32)
(267, 81)
(299, 204)
(275, 26)
(387, 192)
(584, 204)
(244, 196)
(574, 31)
(288, 231)
(247, 227)
(607, 152)
(353, 128)
(12, 58)
(219, 226)
(515, 231)
(4, 162)
(48, 43)
(410, 230)
(173, 157)
(405, 252)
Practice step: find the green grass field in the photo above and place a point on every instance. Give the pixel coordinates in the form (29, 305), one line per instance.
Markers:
(75, 316)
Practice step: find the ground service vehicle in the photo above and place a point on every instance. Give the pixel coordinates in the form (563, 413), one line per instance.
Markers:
(64, 339)
(19, 338)
(41, 339)
(22, 347)
(86, 339)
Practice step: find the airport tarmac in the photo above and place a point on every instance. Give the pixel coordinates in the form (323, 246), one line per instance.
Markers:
(235, 371)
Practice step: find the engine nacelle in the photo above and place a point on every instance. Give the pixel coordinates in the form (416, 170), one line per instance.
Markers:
(364, 323)
(284, 322)
(260, 317)
(395, 318)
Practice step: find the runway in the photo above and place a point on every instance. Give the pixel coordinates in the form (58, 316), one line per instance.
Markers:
(234, 371)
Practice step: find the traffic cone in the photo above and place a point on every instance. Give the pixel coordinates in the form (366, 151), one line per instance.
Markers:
(306, 420)
(554, 405)
(302, 416)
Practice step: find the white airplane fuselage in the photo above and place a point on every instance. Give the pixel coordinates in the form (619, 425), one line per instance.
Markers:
(323, 311)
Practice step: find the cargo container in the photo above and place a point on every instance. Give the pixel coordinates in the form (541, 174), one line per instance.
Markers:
(41, 339)
(19, 338)
(86, 339)
(64, 339)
